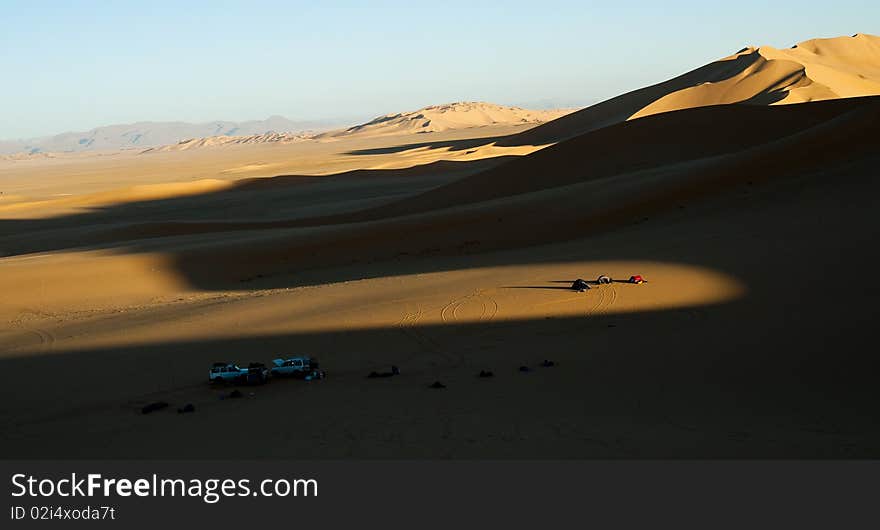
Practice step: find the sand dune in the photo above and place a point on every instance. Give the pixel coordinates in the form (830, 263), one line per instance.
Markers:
(726, 277)
(440, 118)
(690, 136)
(678, 154)
(813, 70)
(547, 211)
(450, 253)
(216, 141)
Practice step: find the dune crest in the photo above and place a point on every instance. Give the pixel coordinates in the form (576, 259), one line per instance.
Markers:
(813, 70)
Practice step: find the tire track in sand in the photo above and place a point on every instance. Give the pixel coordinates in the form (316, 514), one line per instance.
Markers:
(46, 339)
(408, 325)
(450, 314)
(595, 308)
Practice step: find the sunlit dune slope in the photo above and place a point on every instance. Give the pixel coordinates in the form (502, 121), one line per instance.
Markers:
(217, 141)
(813, 70)
(439, 118)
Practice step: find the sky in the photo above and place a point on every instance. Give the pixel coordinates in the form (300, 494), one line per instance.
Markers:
(75, 65)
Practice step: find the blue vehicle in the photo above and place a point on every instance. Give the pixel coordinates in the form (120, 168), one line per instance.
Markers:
(254, 374)
(302, 367)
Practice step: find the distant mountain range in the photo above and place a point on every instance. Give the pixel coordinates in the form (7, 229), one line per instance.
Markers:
(151, 134)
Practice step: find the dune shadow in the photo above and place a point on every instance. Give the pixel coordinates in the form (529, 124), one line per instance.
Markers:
(766, 98)
(691, 396)
(446, 167)
(451, 145)
(248, 204)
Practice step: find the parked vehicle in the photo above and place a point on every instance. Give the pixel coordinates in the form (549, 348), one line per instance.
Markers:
(254, 374)
(294, 367)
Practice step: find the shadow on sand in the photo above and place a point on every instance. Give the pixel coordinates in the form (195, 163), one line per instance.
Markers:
(452, 145)
(250, 204)
(773, 374)
(626, 385)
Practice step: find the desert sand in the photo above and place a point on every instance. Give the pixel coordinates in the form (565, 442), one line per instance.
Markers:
(745, 195)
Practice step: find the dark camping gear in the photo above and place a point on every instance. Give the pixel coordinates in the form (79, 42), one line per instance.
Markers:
(580, 285)
(153, 407)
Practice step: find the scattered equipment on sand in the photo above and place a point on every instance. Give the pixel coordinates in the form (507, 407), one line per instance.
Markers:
(394, 371)
(637, 279)
(580, 285)
(153, 407)
(604, 279)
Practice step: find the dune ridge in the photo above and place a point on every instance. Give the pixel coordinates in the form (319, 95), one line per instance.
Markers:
(217, 141)
(813, 70)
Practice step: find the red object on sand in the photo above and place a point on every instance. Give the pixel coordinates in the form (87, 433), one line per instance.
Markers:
(636, 279)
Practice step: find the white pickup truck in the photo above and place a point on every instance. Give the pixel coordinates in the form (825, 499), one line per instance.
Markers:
(254, 374)
(302, 367)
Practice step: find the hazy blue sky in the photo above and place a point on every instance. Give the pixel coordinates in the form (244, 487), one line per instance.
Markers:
(76, 65)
